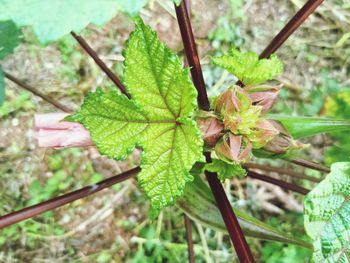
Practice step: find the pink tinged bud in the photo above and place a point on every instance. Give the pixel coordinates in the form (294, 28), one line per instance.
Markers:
(265, 131)
(52, 132)
(264, 95)
(234, 99)
(233, 148)
(211, 129)
(283, 142)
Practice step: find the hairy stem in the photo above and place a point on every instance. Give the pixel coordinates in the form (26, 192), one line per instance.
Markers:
(53, 203)
(290, 27)
(280, 170)
(311, 165)
(100, 63)
(188, 226)
(38, 93)
(230, 219)
(285, 185)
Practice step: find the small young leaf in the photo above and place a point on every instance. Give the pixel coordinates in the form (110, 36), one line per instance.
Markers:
(157, 119)
(327, 220)
(10, 37)
(225, 170)
(248, 68)
(2, 87)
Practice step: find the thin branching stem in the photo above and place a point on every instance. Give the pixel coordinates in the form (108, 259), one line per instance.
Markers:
(274, 181)
(230, 219)
(311, 165)
(280, 170)
(38, 93)
(100, 63)
(48, 205)
(188, 227)
(290, 27)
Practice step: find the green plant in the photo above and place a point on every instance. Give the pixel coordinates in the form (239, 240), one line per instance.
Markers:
(156, 111)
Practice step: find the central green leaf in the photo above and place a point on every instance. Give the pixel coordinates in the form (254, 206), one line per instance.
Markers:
(157, 119)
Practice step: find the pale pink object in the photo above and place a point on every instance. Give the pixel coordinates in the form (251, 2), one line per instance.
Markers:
(53, 132)
(234, 148)
(264, 96)
(211, 129)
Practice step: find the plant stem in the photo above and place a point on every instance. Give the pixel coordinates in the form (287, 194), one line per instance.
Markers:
(100, 63)
(38, 93)
(281, 171)
(290, 27)
(271, 180)
(230, 219)
(188, 226)
(192, 54)
(311, 165)
(233, 228)
(53, 203)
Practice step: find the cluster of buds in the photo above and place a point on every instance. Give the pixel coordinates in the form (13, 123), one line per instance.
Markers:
(236, 125)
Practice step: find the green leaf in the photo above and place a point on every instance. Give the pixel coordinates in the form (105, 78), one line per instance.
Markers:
(327, 220)
(157, 119)
(177, 2)
(2, 87)
(248, 68)
(55, 18)
(199, 204)
(225, 170)
(300, 127)
(10, 37)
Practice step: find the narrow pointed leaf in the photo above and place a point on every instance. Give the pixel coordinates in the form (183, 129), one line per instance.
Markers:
(199, 204)
(327, 221)
(300, 127)
(157, 119)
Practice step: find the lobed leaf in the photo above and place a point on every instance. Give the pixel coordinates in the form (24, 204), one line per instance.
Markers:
(248, 68)
(327, 221)
(158, 119)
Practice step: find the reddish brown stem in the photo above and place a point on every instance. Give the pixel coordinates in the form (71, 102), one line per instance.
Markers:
(290, 27)
(311, 165)
(188, 226)
(230, 219)
(38, 93)
(35, 210)
(285, 185)
(100, 63)
(233, 228)
(192, 54)
(280, 170)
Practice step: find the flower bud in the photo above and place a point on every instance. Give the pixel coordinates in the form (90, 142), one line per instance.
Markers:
(234, 99)
(263, 95)
(283, 142)
(264, 132)
(211, 129)
(233, 148)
